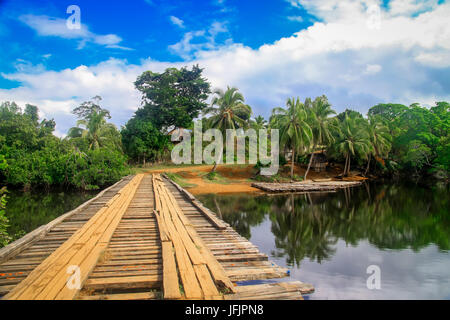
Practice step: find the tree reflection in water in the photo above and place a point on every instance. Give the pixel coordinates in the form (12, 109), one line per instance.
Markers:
(309, 225)
(27, 211)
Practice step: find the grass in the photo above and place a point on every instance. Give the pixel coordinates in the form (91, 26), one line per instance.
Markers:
(162, 166)
(214, 177)
(179, 180)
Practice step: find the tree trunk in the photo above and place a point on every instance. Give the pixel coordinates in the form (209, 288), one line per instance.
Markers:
(214, 168)
(348, 168)
(292, 165)
(345, 165)
(309, 166)
(367, 168)
(143, 162)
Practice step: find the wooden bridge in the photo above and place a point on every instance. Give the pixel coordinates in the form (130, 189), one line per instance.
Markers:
(143, 238)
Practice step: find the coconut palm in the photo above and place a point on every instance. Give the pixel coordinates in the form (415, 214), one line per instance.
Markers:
(295, 132)
(379, 139)
(319, 113)
(95, 129)
(259, 123)
(228, 110)
(352, 140)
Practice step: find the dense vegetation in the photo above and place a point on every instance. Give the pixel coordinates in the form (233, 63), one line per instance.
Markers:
(89, 157)
(172, 99)
(393, 139)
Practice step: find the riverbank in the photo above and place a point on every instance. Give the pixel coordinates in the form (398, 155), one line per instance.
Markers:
(233, 178)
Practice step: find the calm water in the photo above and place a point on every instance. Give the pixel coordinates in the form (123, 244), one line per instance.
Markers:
(27, 211)
(329, 239)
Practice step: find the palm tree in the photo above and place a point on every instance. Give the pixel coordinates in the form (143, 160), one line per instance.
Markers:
(231, 112)
(319, 114)
(94, 128)
(379, 140)
(259, 123)
(295, 131)
(352, 140)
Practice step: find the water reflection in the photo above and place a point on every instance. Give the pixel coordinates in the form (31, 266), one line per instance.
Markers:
(337, 235)
(27, 211)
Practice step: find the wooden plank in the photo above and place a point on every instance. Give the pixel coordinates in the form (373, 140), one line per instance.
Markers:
(179, 228)
(218, 273)
(171, 285)
(19, 245)
(191, 286)
(163, 232)
(55, 264)
(145, 282)
(216, 222)
(206, 282)
(123, 296)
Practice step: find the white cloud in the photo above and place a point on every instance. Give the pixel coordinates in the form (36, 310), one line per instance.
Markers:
(295, 18)
(409, 7)
(177, 21)
(56, 27)
(404, 61)
(373, 68)
(204, 40)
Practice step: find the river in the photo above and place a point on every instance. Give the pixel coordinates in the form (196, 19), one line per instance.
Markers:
(331, 240)
(340, 241)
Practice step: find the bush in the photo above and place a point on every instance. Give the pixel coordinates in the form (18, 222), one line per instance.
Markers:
(4, 222)
(211, 175)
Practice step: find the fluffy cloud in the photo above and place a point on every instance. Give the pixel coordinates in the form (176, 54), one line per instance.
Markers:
(194, 42)
(56, 27)
(405, 60)
(177, 21)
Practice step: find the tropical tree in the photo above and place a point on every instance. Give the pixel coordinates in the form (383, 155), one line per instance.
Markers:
(172, 98)
(93, 126)
(352, 140)
(295, 132)
(258, 123)
(319, 114)
(141, 140)
(379, 140)
(228, 110)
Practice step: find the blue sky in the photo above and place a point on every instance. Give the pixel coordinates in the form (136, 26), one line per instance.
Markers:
(357, 52)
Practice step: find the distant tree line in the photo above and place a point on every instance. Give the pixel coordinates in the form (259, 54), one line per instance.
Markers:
(392, 139)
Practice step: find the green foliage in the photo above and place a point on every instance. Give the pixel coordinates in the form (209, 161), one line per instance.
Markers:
(172, 98)
(231, 111)
(142, 140)
(211, 175)
(92, 127)
(37, 158)
(295, 132)
(420, 137)
(4, 222)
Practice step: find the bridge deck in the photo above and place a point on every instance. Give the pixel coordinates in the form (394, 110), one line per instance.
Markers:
(143, 238)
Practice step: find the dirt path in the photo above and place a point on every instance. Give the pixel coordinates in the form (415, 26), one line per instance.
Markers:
(237, 178)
